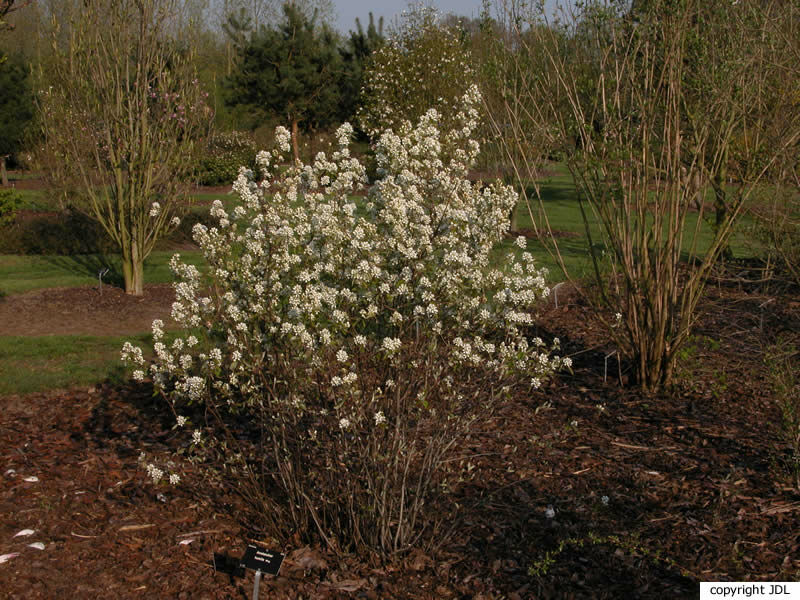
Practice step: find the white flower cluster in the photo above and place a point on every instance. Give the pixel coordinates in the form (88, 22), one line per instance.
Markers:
(322, 287)
(156, 473)
(422, 65)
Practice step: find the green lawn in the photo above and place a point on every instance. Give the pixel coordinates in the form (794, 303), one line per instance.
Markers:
(35, 200)
(34, 364)
(23, 273)
(559, 204)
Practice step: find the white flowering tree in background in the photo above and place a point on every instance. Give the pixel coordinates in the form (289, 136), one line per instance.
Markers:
(352, 341)
(424, 64)
(125, 115)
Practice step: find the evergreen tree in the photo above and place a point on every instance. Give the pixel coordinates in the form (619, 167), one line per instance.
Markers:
(355, 54)
(293, 70)
(16, 108)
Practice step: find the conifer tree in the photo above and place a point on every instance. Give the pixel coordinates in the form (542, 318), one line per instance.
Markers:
(16, 109)
(355, 54)
(292, 70)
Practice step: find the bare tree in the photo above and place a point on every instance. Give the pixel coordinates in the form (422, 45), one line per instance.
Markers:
(7, 6)
(125, 114)
(619, 94)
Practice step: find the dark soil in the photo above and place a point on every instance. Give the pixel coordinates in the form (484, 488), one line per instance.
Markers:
(87, 310)
(650, 494)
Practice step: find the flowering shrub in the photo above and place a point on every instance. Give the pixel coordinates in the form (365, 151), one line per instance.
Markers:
(347, 345)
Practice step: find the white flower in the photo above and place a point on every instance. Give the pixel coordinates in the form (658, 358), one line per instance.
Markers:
(174, 479)
(391, 345)
(282, 138)
(197, 436)
(181, 420)
(549, 512)
(341, 356)
(380, 418)
(138, 375)
(155, 209)
(604, 500)
(344, 423)
(174, 222)
(154, 473)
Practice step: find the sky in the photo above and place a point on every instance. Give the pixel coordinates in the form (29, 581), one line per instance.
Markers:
(348, 10)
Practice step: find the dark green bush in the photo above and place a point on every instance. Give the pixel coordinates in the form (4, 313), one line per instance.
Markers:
(226, 153)
(67, 233)
(72, 232)
(10, 201)
(183, 233)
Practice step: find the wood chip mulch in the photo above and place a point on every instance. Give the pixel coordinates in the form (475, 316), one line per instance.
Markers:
(605, 492)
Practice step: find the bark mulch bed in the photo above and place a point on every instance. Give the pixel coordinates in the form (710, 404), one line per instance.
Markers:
(603, 491)
(85, 310)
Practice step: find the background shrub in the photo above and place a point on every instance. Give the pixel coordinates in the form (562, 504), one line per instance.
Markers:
(66, 233)
(226, 153)
(10, 201)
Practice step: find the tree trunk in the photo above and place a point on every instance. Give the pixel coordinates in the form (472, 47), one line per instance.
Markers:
(295, 145)
(133, 271)
(3, 172)
(721, 206)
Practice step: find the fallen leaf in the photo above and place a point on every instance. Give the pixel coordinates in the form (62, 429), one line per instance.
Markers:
(186, 542)
(31, 479)
(349, 585)
(37, 545)
(418, 561)
(135, 527)
(24, 532)
(8, 557)
(307, 559)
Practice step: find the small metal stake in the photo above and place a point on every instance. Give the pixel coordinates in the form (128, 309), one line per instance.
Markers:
(605, 371)
(761, 315)
(256, 583)
(100, 274)
(555, 291)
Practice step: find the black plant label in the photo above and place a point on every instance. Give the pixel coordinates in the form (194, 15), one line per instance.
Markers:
(260, 559)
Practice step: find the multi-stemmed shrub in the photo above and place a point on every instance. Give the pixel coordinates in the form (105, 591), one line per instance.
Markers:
(346, 343)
